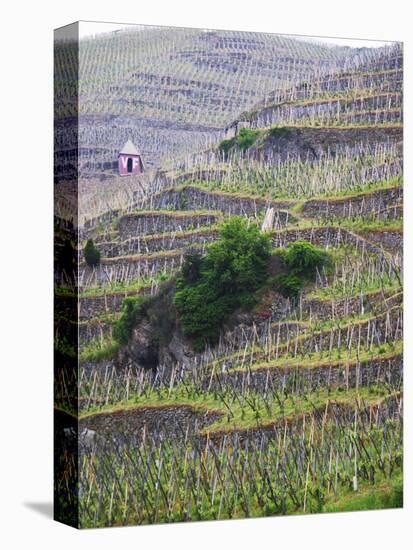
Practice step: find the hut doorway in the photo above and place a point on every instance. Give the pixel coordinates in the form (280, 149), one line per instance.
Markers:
(129, 165)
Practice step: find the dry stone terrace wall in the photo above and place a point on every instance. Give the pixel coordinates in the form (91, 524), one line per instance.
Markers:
(146, 223)
(192, 198)
(376, 331)
(315, 309)
(392, 77)
(372, 117)
(147, 245)
(93, 306)
(92, 330)
(333, 110)
(390, 240)
(243, 335)
(325, 310)
(325, 237)
(109, 302)
(170, 420)
(387, 79)
(369, 204)
(163, 179)
(340, 413)
(308, 379)
(322, 310)
(126, 268)
(89, 226)
(311, 142)
(393, 212)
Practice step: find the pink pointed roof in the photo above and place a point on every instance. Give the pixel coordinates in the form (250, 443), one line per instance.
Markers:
(129, 149)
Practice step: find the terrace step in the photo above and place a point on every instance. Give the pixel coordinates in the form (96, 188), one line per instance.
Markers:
(154, 222)
(303, 378)
(128, 268)
(236, 204)
(391, 240)
(370, 204)
(156, 243)
(108, 301)
(378, 330)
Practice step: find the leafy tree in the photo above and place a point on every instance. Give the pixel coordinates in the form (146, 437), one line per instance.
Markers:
(91, 253)
(212, 287)
(191, 268)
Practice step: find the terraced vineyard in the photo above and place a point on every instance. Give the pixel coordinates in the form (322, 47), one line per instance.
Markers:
(172, 91)
(297, 405)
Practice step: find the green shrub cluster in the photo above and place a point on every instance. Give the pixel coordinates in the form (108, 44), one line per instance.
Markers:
(227, 278)
(226, 145)
(158, 310)
(132, 313)
(245, 138)
(302, 260)
(91, 254)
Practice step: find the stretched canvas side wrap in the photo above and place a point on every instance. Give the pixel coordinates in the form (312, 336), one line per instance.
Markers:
(228, 275)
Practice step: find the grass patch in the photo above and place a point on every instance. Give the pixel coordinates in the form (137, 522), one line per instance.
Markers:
(383, 495)
(98, 349)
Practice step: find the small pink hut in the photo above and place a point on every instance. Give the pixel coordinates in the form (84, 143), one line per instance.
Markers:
(129, 160)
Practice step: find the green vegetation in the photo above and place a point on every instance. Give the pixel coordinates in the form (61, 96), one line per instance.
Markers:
(245, 139)
(225, 145)
(131, 314)
(299, 409)
(249, 412)
(302, 260)
(98, 349)
(91, 254)
(227, 278)
(384, 495)
(123, 287)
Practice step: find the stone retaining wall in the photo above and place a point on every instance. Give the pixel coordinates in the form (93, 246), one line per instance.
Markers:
(125, 269)
(305, 380)
(379, 330)
(93, 330)
(324, 237)
(347, 307)
(390, 240)
(333, 109)
(369, 204)
(93, 306)
(146, 223)
(193, 198)
(147, 245)
(133, 423)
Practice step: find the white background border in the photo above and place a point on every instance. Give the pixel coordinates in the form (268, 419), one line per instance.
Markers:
(26, 304)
